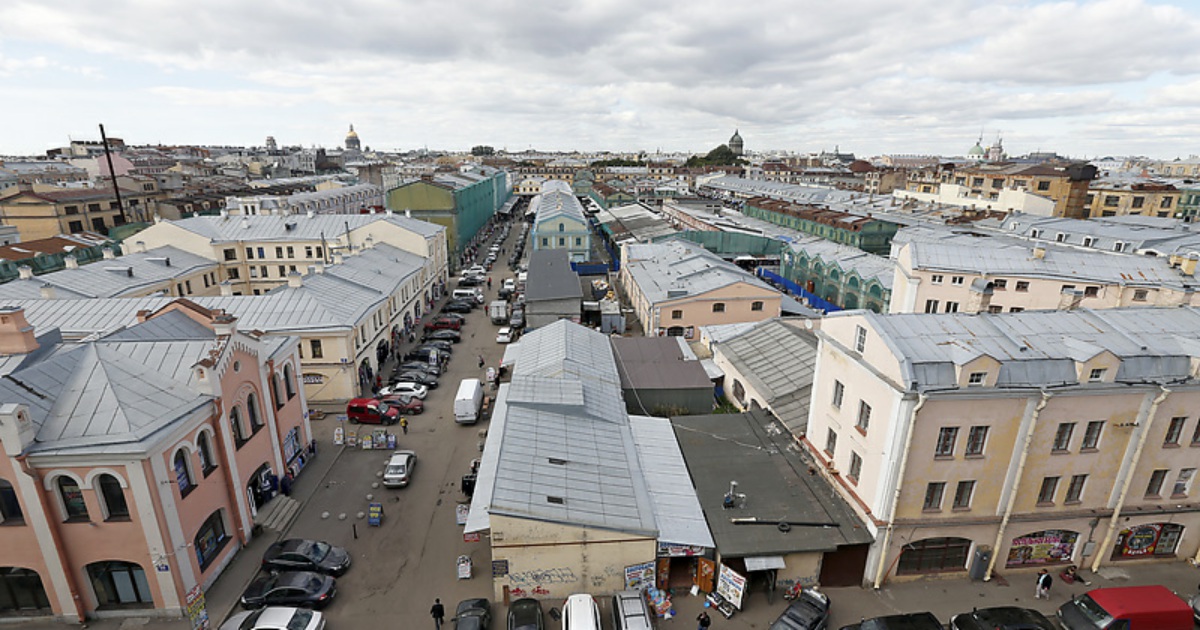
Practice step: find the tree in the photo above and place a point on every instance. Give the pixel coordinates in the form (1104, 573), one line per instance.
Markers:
(482, 149)
(720, 156)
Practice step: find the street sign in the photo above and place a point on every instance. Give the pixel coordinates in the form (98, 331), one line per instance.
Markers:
(375, 514)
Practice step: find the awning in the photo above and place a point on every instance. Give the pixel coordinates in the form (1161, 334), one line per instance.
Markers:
(711, 369)
(762, 563)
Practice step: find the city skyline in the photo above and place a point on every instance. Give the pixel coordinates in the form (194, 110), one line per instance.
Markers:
(1084, 79)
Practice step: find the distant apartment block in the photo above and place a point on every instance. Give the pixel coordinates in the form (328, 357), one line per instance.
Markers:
(867, 233)
(1039, 189)
(43, 211)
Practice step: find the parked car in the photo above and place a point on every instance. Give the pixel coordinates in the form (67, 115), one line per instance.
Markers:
(420, 366)
(301, 554)
(458, 306)
(471, 281)
(453, 336)
(276, 618)
(525, 614)
(809, 611)
(517, 320)
(504, 335)
(462, 319)
(423, 353)
(909, 621)
(417, 376)
(1001, 618)
(290, 588)
(443, 323)
(473, 614)
(405, 388)
(399, 469)
(446, 347)
(406, 405)
(371, 411)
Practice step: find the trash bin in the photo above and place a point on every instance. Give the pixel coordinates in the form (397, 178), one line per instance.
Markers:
(979, 562)
(468, 485)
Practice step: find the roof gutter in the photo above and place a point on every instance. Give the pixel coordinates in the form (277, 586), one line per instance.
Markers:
(891, 517)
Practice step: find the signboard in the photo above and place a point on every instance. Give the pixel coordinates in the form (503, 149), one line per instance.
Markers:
(639, 576)
(1051, 545)
(472, 537)
(679, 551)
(313, 379)
(381, 438)
(352, 439)
(499, 568)
(196, 611)
(375, 514)
(731, 586)
(339, 436)
(391, 441)
(163, 568)
(366, 442)
(460, 513)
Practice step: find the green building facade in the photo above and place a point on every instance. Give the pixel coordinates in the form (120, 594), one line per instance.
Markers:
(865, 233)
(462, 202)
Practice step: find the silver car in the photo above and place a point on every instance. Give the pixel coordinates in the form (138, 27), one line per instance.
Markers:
(399, 469)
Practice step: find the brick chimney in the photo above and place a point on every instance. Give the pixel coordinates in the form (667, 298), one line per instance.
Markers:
(109, 254)
(224, 325)
(1188, 265)
(16, 334)
(1070, 299)
(979, 297)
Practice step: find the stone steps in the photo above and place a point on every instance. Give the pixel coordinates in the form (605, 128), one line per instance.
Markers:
(278, 514)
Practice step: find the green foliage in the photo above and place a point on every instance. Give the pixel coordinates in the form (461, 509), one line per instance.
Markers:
(616, 162)
(720, 156)
(482, 149)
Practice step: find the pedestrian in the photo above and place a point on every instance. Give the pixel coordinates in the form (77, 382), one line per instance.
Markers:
(489, 282)
(285, 484)
(704, 621)
(378, 382)
(438, 612)
(404, 424)
(481, 361)
(1043, 584)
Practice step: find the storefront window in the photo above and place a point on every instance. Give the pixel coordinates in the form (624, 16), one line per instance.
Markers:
(933, 555)
(210, 539)
(119, 584)
(1144, 541)
(1044, 547)
(21, 590)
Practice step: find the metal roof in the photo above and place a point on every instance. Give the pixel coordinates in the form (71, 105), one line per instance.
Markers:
(657, 363)
(551, 276)
(258, 228)
(675, 268)
(117, 277)
(676, 508)
(779, 361)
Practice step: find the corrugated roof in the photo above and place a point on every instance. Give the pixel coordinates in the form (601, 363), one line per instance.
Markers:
(676, 508)
(119, 277)
(675, 268)
(551, 276)
(260, 228)
(778, 361)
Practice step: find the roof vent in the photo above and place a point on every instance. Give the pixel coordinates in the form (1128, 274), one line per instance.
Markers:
(556, 500)
(290, 225)
(557, 462)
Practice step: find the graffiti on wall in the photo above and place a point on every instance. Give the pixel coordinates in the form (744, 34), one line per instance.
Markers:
(538, 577)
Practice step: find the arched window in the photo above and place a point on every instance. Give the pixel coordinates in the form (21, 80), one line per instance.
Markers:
(112, 498)
(10, 507)
(562, 227)
(183, 472)
(252, 411)
(240, 435)
(289, 381)
(210, 539)
(739, 392)
(21, 590)
(74, 507)
(207, 463)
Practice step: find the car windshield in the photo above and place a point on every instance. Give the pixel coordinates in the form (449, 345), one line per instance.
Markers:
(383, 407)
(1093, 611)
(300, 619)
(314, 583)
(396, 469)
(318, 550)
(248, 622)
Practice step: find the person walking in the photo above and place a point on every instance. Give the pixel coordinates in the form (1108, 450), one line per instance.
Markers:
(481, 361)
(703, 620)
(404, 424)
(1043, 584)
(438, 612)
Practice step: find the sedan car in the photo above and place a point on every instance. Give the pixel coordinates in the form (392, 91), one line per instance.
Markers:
(399, 469)
(405, 388)
(809, 611)
(443, 323)
(290, 588)
(418, 366)
(276, 618)
(525, 614)
(299, 554)
(471, 281)
(415, 376)
(406, 405)
(473, 614)
(458, 306)
(453, 336)
(445, 346)
(1001, 618)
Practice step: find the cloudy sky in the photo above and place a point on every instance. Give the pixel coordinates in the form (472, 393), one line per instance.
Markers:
(1110, 77)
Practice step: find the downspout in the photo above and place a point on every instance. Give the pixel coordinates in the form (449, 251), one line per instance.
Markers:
(887, 533)
(231, 484)
(1012, 495)
(52, 524)
(1137, 456)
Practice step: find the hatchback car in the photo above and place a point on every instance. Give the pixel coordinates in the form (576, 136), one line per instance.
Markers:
(458, 306)
(419, 366)
(399, 469)
(406, 405)
(1001, 618)
(443, 323)
(371, 411)
(517, 320)
(809, 611)
(504, 335)
(405, 388)
(290, 588)
(525, 614)
(453, 336)
(276, 618)
(909, 621)
(416, 376)
(473, 614)
(299, 554)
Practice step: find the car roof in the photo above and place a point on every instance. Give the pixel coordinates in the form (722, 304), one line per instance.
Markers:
(1004, 618)
(278, 616)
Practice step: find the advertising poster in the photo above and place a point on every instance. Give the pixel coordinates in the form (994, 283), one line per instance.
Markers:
(1153, 539)
(1044, 547)
(339, 436)
(375, 514)
(731, 586)
(639, 576)
(197, 613)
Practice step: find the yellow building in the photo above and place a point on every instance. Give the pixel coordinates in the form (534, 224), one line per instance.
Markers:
(1113, 199)
(42, 211)
(1040, 189)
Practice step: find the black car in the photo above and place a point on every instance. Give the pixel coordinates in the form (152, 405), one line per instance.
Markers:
(453, 336)
(809, 611)
(416, 376)
(290, 588)
(910, 621)
(298, 554)
(418, 366)
(471, 281)
(456, 306)
(441, 344)
(1001, 618)
(473, 614)
(421, 353)
(525, 614)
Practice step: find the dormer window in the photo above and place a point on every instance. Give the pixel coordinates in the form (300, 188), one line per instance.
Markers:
(1097, 375)
(976, 379)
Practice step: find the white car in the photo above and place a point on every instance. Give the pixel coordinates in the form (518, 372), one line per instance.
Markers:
(504, 335)
(399, 469)
(477, 270)
(510, 284)
(405, 388)
(276, 618)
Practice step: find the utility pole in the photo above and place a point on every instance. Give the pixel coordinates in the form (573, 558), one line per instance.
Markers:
(112, 174)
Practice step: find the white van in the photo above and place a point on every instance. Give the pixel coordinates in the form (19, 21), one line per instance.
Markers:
(580, 612)
(468, 294)
(468, 401)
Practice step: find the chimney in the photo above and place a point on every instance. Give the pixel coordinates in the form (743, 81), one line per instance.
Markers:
(226, 288)
(1188, 265)
(1039, 252)
(108, 252)
(979, 297)
(224, 325)
(47, 291)
(245, 223)
(295, 280)
(408, 213)
(71, 261)
(338, 259)
(16, 335)
(25, 272)
(318, 268)
(310, 214)
(140, 247)
(389, 212)
(1070, 299)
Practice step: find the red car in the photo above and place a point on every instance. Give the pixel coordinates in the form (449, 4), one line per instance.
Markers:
(371, 411)
(410, 405)
(443, 324)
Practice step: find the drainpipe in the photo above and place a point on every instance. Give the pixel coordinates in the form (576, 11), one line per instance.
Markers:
(887, 534)
(52, 523)
(1012, 494)
(1137, 456)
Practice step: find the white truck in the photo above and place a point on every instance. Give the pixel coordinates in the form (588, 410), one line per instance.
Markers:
(468, 401)
(498, 312)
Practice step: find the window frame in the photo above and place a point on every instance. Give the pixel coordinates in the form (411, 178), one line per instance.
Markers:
(863, 421)
(1075, 489)
(935, 493)
(1092, 432)
(831, 438)
(718, 307)
(839, 395)
(947, 442)
(182, 455)
(1174, 432)
(1048, 490)
(1154, 487)
(73, 510)
(855, 468)
(959, 503)
(968, 451)
(1062, 437)
(104, 488)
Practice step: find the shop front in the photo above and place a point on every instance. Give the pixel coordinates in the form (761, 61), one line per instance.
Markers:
(1152, 540)
(1050, 546)
(678, 566)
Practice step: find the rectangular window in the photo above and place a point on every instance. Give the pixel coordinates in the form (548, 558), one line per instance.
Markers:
(860, 338)
(956, 280)
(933, 495)
(1154, 488)
(1048, 490)
(855, 466)
(931, 306)
(1138, 202)
(279, 251)
(308, 251)
(1000, 284)
(75, 226)
(254, 272)
(578, 241)
(951, 307)
(1043, 185)
(976, 440)
(963, 494)
(1112, 201)
(291, 252)
(864, 416)
(1166, 202)
(677, 314)
(1174, 431)
(1060, 237)
(1022, 285)
(1140, 295)
(263, 269)
(976, 379)
(1062, 437)
(545, 242)
(230, 254)
(1091, 291)
(249, 253)
(262, 252)
(839, 392)
(1075, 489)
(831, 443)
(561, 241)
(995, 308)
(1091, 436)
(1183, 483)
(282, 271)
(936, 278)
(1196, 435)
(234, 274)
(947, 436)
(317, 352)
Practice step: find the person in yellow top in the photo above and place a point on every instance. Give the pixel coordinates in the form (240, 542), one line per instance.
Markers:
(404, 424)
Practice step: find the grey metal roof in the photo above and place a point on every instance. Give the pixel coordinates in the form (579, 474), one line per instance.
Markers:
(636, 220)
(772, 472)
(778, 360)
(551, 276)
(675, 268)
(657, 363)
(676, 508)
(231, 229)
(554, 202)
(559, 445)
(172, 325)
(1134, 234)
(121, 276)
